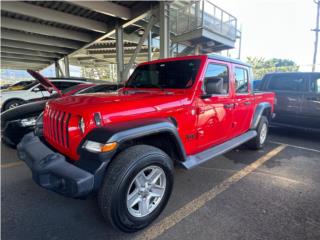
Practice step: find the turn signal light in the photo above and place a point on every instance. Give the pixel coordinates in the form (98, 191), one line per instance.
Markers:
(108, 147)
(99, 147)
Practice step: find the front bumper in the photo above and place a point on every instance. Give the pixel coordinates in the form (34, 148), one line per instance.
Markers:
(52, 171)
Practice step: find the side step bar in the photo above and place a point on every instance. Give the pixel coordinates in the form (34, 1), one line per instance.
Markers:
(199, 158)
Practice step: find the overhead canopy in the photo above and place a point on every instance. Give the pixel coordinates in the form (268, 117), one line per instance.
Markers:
(35, 34)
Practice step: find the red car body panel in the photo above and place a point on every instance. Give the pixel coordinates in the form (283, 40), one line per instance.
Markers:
(202, 122)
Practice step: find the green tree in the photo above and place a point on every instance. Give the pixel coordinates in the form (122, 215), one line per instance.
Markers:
(261, 66)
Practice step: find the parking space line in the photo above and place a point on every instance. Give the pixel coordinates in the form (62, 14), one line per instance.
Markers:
(168, 222)
(10, 165)
(256, 173)
(295, 146)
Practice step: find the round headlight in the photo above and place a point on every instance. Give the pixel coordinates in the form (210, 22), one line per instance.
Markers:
(81, 125)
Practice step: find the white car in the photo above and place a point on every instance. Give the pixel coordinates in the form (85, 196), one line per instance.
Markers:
(12, 99)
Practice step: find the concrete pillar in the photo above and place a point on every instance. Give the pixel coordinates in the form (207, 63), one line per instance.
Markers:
(119, 55)
(197, 13)
(197, 49)
(164, 29)
(56, 67)
(66, 66)
(150, 46)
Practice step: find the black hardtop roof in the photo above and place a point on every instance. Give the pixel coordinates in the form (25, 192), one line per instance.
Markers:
(227, 59)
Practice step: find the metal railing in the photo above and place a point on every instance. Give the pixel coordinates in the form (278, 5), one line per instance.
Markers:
(203, 14)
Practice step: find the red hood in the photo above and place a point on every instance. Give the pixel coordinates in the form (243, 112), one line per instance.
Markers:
(45, 82)
(122, 106)
(117, 104)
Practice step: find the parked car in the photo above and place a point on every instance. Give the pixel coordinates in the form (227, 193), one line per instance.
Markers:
(12, 99)
(297, 98)
(5, 86)
(123, 145)
(18, 86)
(256, 84)
(17, 122)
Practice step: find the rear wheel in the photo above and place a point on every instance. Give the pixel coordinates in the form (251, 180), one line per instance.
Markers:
(136, 188)
(262, 133)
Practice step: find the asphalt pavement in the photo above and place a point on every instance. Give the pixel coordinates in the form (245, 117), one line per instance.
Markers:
(272, 193)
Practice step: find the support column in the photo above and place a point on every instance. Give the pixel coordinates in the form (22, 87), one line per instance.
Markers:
(138, 48)
(119, 53)
(150, 46)
(197, 13)
(197, 49)
(56, 67)
(164, 29)
(66, 66)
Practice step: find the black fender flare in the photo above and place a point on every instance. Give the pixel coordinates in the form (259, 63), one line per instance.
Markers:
(126, 131)
(258, 113)
(97, 163)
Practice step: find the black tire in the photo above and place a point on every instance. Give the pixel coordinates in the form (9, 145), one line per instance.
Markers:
(12, 104)
(256, 142)
(123, 169)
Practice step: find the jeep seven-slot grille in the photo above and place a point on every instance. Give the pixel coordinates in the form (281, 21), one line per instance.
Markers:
(56, 127)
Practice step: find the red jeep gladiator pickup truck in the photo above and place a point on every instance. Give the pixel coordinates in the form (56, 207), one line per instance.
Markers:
(123, 145)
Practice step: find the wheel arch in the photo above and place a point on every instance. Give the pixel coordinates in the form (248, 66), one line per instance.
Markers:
(11, 99)
(262, 109)
(160, 133)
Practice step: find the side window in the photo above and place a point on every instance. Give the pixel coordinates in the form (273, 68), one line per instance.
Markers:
(64, 85)
(40, 87)
(219, 71)
(315, 84)
(241, 80)
(293, 83)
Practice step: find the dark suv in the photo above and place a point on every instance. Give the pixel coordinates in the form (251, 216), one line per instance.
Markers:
(297, 102)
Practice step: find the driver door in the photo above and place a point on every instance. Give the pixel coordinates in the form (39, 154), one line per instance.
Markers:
(215, 113)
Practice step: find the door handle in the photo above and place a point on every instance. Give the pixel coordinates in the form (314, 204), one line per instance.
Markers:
(229, 105)
(200, 110)
(247, 103)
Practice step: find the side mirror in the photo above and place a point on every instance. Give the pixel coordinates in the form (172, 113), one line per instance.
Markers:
(214, 85)
(36, 89)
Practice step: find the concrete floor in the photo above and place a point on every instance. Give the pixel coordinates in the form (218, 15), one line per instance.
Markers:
(278, 200)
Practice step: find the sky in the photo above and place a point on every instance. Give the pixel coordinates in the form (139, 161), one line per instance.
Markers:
(276, 29)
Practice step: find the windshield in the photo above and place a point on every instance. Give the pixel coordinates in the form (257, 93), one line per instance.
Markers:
(30, 85)
(175, 74)
(21, 83)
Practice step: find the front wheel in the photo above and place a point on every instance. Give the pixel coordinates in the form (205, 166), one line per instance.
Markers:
(262, 133)
(136, 189)
(13, 104)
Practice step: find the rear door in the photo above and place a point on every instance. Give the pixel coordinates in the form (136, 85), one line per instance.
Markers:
(310, 110)
(243, 99)
(289, 89)
(215, 112)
